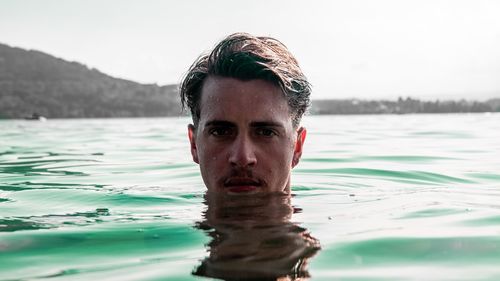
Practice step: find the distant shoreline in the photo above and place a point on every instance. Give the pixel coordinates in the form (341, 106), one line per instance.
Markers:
(350, 107)
(336, 107)
(402, 106)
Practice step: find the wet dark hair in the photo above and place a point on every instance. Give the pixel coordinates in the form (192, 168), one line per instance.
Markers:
(247, 57)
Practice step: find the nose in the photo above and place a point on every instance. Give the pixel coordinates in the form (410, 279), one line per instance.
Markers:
(242, 153)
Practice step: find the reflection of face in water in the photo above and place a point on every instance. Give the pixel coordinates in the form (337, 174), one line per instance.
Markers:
(253, 238)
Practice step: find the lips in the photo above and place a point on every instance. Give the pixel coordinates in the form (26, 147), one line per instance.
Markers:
(240, 184)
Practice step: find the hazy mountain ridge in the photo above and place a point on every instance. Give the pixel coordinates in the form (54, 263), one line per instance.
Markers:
(32, 81)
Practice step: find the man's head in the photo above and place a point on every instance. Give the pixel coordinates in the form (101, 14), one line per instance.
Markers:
(246, 98)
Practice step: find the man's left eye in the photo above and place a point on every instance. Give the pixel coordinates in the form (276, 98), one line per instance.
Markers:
(266, 132)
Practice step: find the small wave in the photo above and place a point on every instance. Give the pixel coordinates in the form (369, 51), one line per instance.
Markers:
(414, 176)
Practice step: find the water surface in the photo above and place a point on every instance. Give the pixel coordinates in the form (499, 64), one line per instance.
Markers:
(376, 197)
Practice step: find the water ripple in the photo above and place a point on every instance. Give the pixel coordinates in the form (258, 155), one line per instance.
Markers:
(407, 197)
(407, 176)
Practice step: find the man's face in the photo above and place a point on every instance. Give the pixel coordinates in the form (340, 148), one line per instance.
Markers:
(245, 141)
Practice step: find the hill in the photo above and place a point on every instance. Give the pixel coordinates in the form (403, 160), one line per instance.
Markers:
(32, 81)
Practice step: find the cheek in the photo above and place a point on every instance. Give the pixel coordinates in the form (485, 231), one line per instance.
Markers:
(280, 153)
(211, 154)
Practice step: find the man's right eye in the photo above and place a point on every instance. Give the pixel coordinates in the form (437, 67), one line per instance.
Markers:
(219, 132)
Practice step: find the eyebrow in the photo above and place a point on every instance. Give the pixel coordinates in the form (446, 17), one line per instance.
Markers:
(266, 124)
(256, 124)
(219, 123)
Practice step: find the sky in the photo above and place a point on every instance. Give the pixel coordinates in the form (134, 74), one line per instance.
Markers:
(366, 49)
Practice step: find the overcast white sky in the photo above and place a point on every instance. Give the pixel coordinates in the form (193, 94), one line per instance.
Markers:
(366, 49)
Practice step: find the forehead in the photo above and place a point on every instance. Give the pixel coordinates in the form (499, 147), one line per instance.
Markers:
(224, 98)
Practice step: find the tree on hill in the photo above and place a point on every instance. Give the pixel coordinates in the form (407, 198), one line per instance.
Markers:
(32, 81)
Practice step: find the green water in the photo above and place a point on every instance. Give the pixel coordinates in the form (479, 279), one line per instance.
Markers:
(408, 197)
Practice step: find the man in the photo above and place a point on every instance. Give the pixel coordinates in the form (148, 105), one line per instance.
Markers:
(246, 98)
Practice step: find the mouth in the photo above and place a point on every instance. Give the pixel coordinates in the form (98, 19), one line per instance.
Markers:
(242, 185)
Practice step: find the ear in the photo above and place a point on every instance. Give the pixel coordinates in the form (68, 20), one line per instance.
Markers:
(297, 152)
(192, 141)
